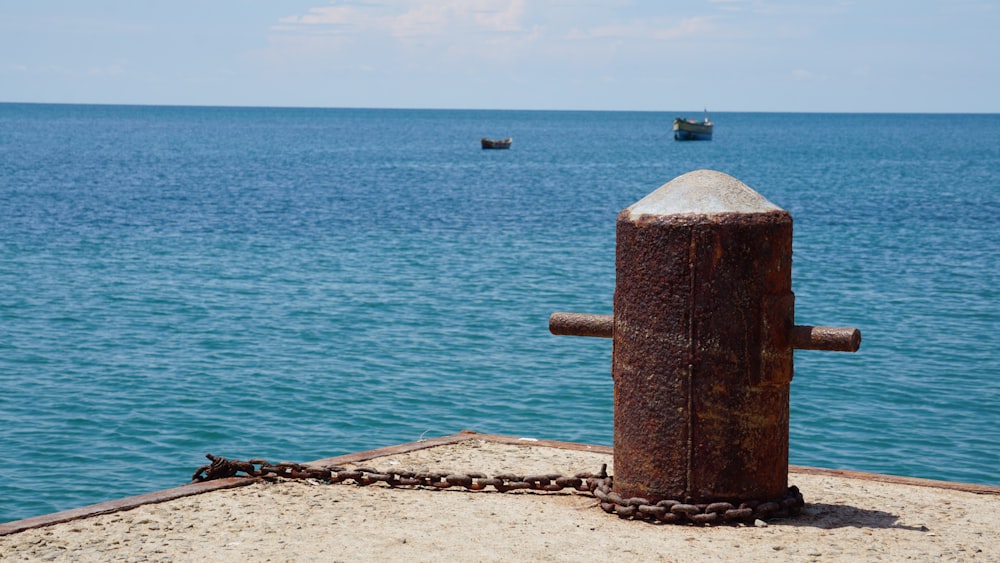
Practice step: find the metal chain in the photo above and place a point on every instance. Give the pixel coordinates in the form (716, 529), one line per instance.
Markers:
(677, 512)
(600, 485)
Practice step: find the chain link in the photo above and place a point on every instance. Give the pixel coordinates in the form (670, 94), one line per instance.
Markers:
(600, 485)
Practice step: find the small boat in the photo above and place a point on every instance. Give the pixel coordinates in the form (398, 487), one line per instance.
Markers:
(686, 129)
(496, 143)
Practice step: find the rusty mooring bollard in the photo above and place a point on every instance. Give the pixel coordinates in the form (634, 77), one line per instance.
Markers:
(703, 331)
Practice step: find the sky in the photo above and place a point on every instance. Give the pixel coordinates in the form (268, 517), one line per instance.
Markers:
(922, 56)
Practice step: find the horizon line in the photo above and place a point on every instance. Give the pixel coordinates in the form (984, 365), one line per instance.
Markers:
(567, 110)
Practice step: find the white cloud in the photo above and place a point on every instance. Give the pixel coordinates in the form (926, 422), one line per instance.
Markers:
(508, 19)
(329, 20)
(328, 15)
(427, 18)
(688, 27)
(401, 33)
(657, 30)
(729, 5)
(408, 18)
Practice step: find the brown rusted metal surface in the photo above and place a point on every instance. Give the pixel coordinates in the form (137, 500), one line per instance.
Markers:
(836, 339)
(702, 360)
(704, 333)
(582, 324)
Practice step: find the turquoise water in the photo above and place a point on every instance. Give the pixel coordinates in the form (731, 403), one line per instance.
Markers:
(300, 283)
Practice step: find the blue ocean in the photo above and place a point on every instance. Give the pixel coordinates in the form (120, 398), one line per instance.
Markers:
(294, 284)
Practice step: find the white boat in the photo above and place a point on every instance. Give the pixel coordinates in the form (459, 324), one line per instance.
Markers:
(687, 129)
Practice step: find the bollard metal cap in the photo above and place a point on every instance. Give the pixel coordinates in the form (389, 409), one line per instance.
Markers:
(702, 192)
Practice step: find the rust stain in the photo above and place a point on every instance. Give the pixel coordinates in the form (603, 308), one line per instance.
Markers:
(701, 391)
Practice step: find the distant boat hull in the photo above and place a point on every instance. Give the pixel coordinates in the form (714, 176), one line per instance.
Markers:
(496, 143)
(691, 130)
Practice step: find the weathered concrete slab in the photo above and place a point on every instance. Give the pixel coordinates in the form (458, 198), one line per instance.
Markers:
(848, 517)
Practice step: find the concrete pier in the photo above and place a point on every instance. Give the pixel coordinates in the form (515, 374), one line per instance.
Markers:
(848, 516)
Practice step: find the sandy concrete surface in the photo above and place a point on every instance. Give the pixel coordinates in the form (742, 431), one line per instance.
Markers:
(845, 519)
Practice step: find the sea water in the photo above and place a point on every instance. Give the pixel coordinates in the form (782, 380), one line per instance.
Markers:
(295, 284)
